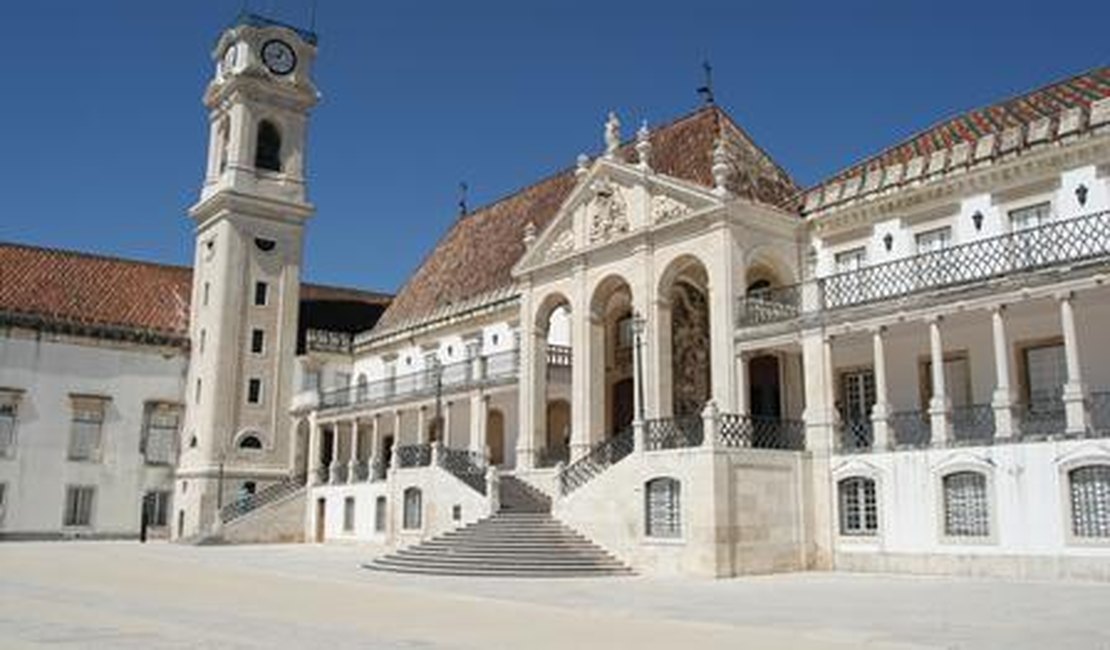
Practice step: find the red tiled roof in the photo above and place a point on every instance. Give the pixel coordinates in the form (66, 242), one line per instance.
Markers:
(478, 252)
(83, 290)
(1023, 110)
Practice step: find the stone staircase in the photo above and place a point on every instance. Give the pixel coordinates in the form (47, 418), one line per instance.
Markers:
(521, 540)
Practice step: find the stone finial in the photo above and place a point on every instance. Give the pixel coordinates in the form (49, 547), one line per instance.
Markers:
(643, 146)
(612, 135)
(722, 170)
(529, 234)
(583, 165)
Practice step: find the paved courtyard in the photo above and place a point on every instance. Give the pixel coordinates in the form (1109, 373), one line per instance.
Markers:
(124, 595)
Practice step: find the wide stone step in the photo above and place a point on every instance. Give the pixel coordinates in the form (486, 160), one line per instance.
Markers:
(478, 555)
(486, 565)
(470, 572)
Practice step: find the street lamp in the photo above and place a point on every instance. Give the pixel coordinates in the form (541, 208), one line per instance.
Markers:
(638, 326)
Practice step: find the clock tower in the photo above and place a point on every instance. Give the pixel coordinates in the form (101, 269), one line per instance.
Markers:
(246, 271)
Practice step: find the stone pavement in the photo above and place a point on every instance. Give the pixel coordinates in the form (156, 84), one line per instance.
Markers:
(124, 595)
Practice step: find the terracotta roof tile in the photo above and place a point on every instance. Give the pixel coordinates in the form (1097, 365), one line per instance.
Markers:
(478, 252)
(58, 287)
(1021, 111)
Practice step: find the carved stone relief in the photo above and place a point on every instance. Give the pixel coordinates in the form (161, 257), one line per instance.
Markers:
(664, 208)
(561, 244)
(689, 348)
(608, 211)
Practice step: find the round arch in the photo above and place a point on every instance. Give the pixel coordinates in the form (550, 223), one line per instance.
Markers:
(683, 337)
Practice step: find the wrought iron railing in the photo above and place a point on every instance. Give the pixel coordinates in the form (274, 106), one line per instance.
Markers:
(1067, 241)
(246, 503)
(770, 305)
(322, 474)
(855, 434)
(1056, 242)
(414, 455)
(910, 429)
(973, 424)
(673, 433)
(1042, 418)
(328, 341)
(361, 471)
(452, 377)
(596, 461)
(761, 432)
(467, 466)
(552, 456)
(1099, 402)
(338, 473)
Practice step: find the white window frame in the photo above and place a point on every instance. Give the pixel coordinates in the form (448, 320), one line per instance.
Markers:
(9, 421)
(265, 286)
(70, 506)
(412, 515)
(86, 410)
(1070, 502)
(988, 497)
(865, 512)
(261, 351)
(153, 412)
(663, 519)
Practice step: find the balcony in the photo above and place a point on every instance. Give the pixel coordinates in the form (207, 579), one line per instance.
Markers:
(328, 341)
(489, 370)
(1055, 244)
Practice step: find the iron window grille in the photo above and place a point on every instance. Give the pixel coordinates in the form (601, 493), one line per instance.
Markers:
(1090, 501)
(159, 440)
(663, 508)
(859, 511)
(7, 430)
(86, 428)
(966, 509)
(79, 505)
(413, 499)
(348, 514)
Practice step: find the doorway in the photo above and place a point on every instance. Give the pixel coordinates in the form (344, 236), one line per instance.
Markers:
(321, 509)
(765, 389)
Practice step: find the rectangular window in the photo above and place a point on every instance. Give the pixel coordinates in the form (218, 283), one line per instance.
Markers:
(311, 380)
(9, 410)
(349, 515)
(79, 505)
(851, 260)
(3, 501)
(933, 240)
(196, 392)
(379, 515)
(1046, 372)
(159, 441)
(254, 391)
(204, 302)
(663, 508)
(957, 381)
(156, 508)
(258, 341)
(859, 512)
(1030, 217)
(86, 427)
(203, 340)
(261, 291)
(966, 510)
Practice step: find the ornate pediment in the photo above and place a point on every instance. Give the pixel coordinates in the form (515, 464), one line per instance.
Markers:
(561, 245)
(667, 208)
(607, 211)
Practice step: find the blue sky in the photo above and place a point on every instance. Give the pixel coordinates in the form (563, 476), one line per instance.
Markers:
(105, 136)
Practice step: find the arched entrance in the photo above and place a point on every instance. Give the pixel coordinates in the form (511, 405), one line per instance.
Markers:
(684, 337)
(495, 437)
(558, 430)
(611, 370)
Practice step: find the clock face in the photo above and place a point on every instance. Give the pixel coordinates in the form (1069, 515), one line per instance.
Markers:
(279, 57)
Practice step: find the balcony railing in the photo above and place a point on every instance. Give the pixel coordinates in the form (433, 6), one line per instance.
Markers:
(596, 460)
(910, 429)
(1100, 412)
(1042, 418)
(1056, 243)
(972, 424)
(328, 341)
(673, 433)
(492, 369)
(559, 355)
(855, 434)
(762, 432)
(414, 455)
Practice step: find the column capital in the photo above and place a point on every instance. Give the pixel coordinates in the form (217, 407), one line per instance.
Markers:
(934, 319)
(1064, 296)
(878, 330)
(997, 308)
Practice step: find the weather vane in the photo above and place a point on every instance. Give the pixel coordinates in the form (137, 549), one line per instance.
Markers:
(706, 91)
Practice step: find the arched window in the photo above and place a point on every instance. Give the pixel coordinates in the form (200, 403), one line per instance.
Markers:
(859, 512)
(663, 507)
(966, 509)
(1090, 500)
(379, 515)
(413, 507)
(267, 151)
(759, 287)
(250, 442)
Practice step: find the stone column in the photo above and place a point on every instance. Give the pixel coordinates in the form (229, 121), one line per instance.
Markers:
(722, 325)
(446, 424)
(352, 455)
(1002, 401)
(1075, 398)
(333, 462)
(820, 419)
(422, 425)
(743, 392)
(533, 402)
(940, 419)
(312, 463)
(375, 458)
(479, 407)
(880, 412)
(581, 323)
